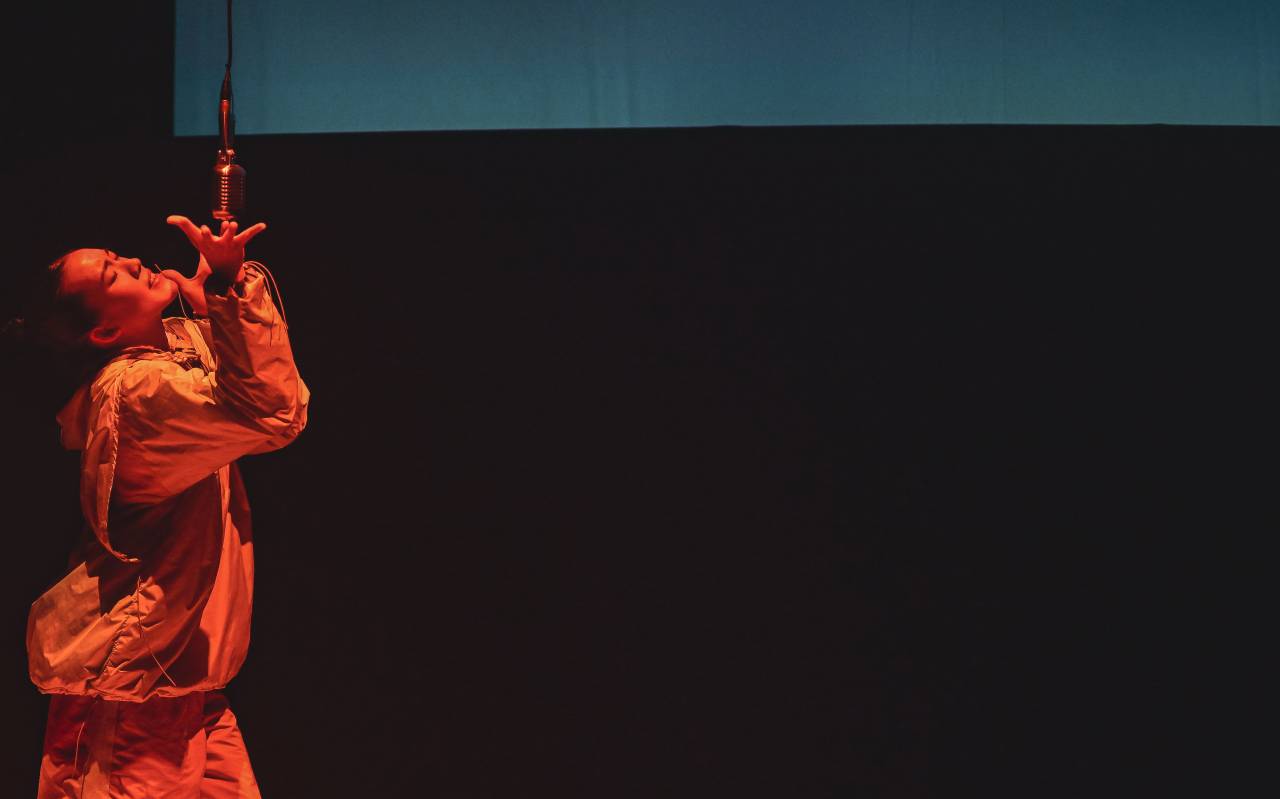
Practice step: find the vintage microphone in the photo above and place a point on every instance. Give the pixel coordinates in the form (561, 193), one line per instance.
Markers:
(228, 176)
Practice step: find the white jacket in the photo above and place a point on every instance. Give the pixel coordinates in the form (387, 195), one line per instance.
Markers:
(158, 601)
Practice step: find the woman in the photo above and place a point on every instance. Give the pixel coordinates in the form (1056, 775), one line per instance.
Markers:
(152, 619)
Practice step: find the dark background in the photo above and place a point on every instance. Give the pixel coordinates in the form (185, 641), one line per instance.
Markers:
(865, 461)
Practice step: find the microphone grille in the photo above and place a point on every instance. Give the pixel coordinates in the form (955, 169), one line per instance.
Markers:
(228, 190)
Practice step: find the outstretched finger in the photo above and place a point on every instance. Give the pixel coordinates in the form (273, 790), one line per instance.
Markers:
(187, 227)
(248, 233)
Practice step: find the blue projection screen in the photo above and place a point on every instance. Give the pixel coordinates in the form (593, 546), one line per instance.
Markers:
(324, 66)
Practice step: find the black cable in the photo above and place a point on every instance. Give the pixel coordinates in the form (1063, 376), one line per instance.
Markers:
(228, 35)
(226, 76)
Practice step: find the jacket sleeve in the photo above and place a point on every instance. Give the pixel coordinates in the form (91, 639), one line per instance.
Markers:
(179, 424)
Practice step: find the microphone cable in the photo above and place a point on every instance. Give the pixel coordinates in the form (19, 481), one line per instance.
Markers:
(228, 193)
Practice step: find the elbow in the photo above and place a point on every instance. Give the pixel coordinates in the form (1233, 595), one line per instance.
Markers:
(276, 411)
(280, 433)
(286, 423)
(293, 421)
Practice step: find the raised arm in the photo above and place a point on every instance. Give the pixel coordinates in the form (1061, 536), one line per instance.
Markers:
(179, 423)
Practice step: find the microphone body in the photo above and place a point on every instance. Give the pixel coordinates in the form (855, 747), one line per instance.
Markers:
(228, 176)
(228, 186)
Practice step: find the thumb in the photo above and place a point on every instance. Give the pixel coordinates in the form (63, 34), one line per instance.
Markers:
(190, 289)
(176, 277)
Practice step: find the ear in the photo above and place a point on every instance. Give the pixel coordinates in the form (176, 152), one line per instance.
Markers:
(104, 336)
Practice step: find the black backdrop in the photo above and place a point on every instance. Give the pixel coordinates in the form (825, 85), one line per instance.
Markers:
(781, 462)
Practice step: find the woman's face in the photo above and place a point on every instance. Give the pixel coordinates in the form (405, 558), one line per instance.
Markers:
(126, 298)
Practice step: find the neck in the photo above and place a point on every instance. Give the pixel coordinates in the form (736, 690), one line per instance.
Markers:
(150, 335)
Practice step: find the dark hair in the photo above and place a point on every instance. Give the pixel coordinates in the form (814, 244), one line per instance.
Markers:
(50, 332)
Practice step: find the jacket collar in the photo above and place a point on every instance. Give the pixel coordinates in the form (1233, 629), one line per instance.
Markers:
(74, 416)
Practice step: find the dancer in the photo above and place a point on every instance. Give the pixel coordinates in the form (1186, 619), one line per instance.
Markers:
(152, 619)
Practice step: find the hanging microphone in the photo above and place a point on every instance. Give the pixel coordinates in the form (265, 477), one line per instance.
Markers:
(228, 176)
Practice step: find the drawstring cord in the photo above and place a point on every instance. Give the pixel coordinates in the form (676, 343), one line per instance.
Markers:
(182, 306)
(275, 290)
(142, 633)
(275, 295)
(75, 763)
